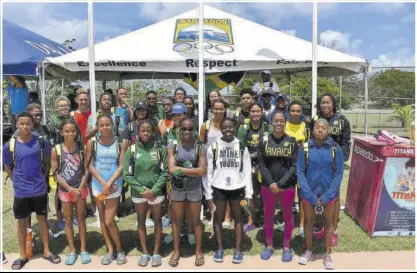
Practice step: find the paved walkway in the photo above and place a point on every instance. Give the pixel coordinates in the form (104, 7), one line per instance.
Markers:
(402, 260)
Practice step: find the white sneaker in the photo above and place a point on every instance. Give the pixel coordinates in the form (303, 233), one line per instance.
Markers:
(116, 219)
(306, 258)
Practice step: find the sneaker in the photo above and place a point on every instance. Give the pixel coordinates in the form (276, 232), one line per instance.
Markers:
(237, 257)
(3, 258)
(319, 235)
(286, 256)
(165, 222)
(191, 239)
(116, 219)
(306, 258)
(156, 260)
(218, 256)
(121, 258)
(328, 264)
(247, 228)
(281, 226)
(335, 239)
(169, 238)
(226, 224)
(60, 225)
(149, 223)
(267, 253)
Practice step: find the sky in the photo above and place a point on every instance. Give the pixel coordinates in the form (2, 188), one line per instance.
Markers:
(383, 33)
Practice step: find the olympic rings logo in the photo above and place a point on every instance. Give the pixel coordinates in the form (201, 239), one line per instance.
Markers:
(209, 47)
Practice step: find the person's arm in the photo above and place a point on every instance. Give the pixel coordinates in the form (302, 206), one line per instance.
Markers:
(163, 175)
(7, 160)
(247, 174)
(47, 157)
(91, 128)
(302, 179)
(208, 179)
(171, 160)
(128, 178)
(17, 82)
(91, 167)
(345, 140)
(262, 168)
(337, 176)
(284, 182)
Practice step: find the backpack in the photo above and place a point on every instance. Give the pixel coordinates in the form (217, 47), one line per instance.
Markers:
(12, 146)
(133, 155)
(264, 125)
(94, 149)
(197, 147)
(242, 148)
(58, 148)
(306, 148)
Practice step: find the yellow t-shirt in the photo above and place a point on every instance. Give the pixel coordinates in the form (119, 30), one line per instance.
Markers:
(296, 130)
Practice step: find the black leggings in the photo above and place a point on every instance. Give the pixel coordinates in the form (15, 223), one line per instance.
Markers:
(237, 214)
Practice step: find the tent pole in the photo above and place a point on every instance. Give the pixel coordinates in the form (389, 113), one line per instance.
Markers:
(366, 100)
(91, 67)
(201, 79)
(43, 91)
(290, 86)
(62, 84)
(340, 94)
(314, 62)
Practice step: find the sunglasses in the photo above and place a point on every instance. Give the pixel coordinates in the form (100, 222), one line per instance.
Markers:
(187, 129)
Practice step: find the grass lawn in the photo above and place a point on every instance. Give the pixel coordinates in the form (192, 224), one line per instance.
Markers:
(376, 122)
(351, 237)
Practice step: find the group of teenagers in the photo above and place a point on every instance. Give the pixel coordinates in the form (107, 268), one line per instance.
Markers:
(240, 162)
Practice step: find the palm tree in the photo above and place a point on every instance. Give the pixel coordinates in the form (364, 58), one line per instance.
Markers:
(403, 114)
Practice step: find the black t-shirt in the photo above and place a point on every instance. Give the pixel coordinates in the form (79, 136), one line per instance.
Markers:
(277, 159)
(243, 118)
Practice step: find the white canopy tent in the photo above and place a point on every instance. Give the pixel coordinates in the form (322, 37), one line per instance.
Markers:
(231, 43)
(167, 49)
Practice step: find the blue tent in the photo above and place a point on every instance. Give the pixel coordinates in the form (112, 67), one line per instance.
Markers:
(24, 50)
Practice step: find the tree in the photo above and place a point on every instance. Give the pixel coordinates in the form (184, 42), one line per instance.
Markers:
(392, 83)
(404, 114)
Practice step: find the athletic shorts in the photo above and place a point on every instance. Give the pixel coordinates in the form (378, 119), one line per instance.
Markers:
(111, 196)
(23, 207)
(193, 196)
(225, 195)
(67, 197)
(158, 200)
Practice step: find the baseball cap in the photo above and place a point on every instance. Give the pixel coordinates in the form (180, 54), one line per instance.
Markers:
(266, 72)
(281, 96)
(140, 105)
(179, 108)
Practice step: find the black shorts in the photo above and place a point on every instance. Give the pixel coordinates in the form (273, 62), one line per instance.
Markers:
(23, 207)
(225, 195)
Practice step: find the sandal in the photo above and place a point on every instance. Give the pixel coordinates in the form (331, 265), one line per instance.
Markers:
(55, 259)
(199, 260)
(71, 258)
(144, 260)
(156, 260)
(19, 264)
(107, 259)
(85, 257)
(173, 262)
